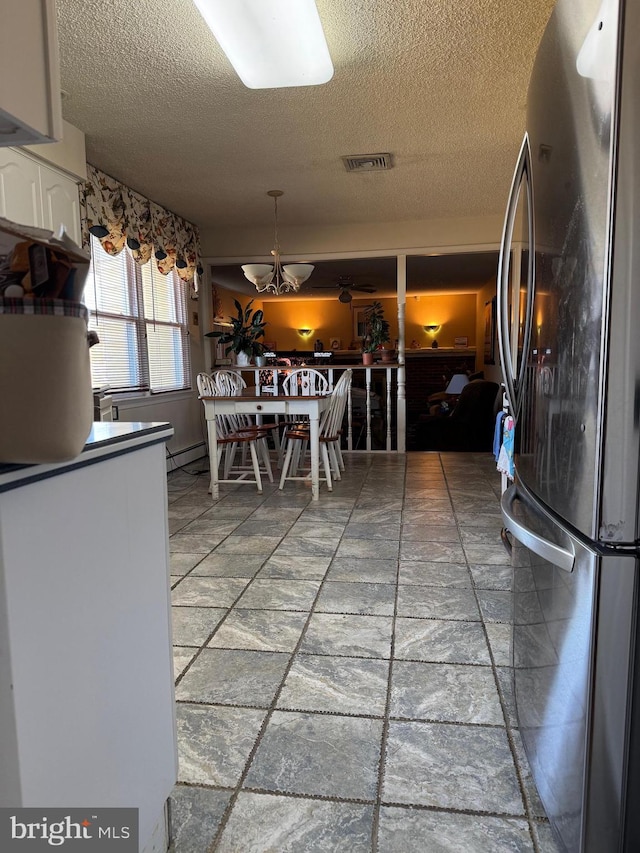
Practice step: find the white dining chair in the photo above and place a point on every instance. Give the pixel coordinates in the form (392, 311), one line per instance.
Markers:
(330, 434)
(230, 384)
(301, 382)
(230, 436)
(305, 382)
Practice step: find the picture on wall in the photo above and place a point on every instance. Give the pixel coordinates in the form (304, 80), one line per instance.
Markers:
(490, 331)
(216, 304)
(335, 344)
(360, 321)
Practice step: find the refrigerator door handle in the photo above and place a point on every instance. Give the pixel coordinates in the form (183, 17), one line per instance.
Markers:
(514, 383)
(563, 558)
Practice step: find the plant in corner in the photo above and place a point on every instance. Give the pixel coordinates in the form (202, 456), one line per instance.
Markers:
(378, 332)
(242, 337)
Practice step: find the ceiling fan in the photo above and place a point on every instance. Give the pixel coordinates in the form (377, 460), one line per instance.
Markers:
(346, 284)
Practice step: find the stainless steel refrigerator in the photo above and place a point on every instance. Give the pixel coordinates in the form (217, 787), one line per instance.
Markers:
(569, 321)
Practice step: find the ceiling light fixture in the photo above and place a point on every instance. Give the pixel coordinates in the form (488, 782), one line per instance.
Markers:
(288, 277)
(270, 43)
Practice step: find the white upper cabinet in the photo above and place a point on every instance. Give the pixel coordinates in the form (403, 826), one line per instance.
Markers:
(60, 203)
(30, 108)
(20, 196)
(32, 193)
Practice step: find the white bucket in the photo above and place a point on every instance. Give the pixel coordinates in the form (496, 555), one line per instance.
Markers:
(46, 401)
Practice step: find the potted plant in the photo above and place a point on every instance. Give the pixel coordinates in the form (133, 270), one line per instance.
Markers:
(243, 335)
(378, 332)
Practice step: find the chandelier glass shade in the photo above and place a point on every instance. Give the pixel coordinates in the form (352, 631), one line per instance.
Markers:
(277, 279)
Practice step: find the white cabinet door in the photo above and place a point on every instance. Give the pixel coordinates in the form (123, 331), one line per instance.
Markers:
(34, 194)
(30, 104)
(60, 203)
(20, 197)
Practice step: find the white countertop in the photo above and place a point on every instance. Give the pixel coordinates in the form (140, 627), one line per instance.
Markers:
(106, 439)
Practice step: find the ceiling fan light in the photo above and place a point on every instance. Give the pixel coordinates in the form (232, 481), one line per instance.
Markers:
(270, 43)
(297, 273)
(345, 296)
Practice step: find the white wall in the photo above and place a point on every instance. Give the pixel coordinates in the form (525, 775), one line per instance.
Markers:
(69, 154)
(182, 410)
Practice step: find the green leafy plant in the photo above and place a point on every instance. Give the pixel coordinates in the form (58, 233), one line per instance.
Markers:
(245, 330)
(378, 331)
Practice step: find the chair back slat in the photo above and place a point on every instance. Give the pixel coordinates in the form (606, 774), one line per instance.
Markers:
(305, 382)
(206, 386)
(332, 421)
(228, 382)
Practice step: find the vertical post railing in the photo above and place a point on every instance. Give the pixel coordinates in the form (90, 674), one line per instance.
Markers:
(388, 407)
(377, 402)
(368, 404)
(401, 413)
(349, 422)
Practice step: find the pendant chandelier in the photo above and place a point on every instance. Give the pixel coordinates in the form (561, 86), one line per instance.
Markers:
(277, 279)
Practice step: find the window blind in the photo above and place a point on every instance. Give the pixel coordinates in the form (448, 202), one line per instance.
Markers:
(140, 317)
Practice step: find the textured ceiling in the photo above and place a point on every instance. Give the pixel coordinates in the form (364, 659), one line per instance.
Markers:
(441, 84)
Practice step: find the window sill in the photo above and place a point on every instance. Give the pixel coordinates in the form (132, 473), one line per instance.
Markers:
(134, 400)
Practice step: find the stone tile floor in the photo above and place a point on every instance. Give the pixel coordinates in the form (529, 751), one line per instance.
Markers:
(342, 677)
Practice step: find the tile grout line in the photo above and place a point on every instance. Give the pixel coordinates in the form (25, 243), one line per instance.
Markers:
(327, 798)
(375, 823)
(269, 714)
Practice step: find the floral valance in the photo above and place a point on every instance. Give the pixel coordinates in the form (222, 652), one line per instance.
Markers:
(119, 216)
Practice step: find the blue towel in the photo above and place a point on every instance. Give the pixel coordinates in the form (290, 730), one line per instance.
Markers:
(505, 460)
(497, 435)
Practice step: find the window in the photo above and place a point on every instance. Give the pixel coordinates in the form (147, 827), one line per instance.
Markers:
(140, 316)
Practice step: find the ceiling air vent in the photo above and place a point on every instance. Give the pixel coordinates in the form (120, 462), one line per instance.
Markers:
(367, 162)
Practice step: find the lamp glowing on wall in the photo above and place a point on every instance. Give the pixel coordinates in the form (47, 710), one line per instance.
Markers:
(431, 330)
(304, 333)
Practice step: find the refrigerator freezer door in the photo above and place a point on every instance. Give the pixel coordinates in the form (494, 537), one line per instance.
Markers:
(573, 650)
(553, 616)
(569, 123)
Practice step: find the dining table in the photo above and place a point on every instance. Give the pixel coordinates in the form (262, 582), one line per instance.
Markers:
(251, 402)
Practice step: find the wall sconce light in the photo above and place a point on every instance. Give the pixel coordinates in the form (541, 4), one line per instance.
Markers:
(431, 330)
(304, 333)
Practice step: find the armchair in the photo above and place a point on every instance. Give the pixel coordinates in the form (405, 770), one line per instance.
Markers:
(470, 425)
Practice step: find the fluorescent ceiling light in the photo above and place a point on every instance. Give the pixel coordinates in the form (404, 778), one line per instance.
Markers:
(271, 43)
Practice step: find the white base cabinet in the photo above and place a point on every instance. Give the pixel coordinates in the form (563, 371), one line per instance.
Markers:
(87, 713)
